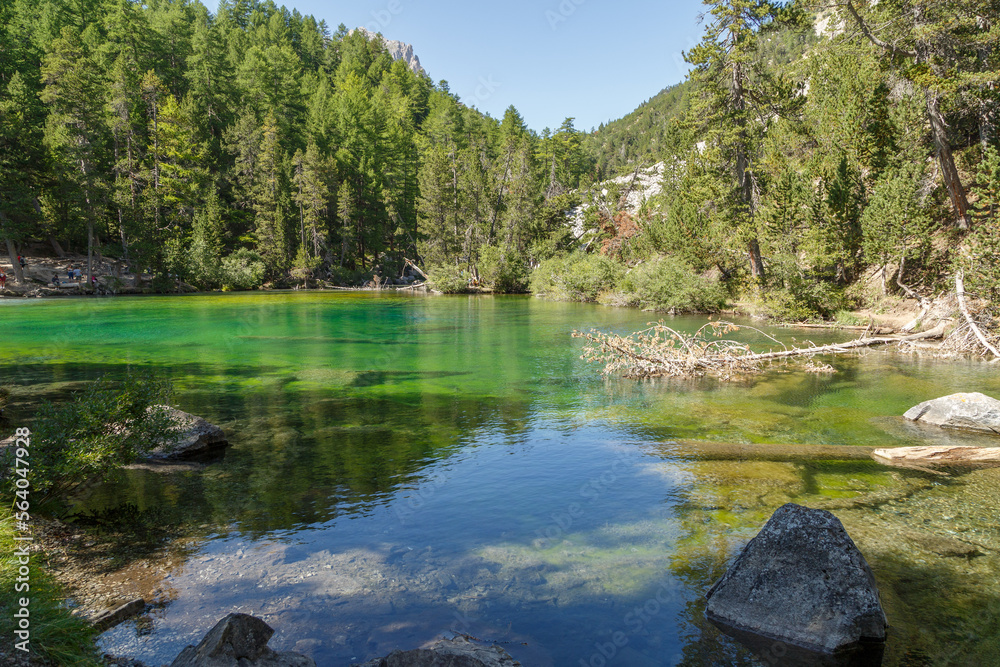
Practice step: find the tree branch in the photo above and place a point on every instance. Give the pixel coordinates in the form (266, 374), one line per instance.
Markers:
(866, 31)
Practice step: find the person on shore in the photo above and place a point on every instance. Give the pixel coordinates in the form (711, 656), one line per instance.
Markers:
(3, 280)
(77, 274)
(20, 260)
(55, 280)
(69, 273)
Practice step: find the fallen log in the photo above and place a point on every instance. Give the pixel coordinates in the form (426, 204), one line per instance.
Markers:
(938, 455)
(936, 332)
(703, 450)
(662, 351)
(413, 265)
(836, 327)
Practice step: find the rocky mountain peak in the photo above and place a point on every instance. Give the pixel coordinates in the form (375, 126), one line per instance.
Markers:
(398, 50)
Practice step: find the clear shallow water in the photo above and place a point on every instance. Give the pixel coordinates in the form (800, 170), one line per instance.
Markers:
(407, 467)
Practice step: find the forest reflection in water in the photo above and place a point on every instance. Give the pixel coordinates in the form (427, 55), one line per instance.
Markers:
(405, 467)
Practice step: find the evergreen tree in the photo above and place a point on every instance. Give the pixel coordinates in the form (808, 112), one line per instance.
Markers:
(938, 45)
(312, 197)
(268, 200)
(738, 99)
(74, 133)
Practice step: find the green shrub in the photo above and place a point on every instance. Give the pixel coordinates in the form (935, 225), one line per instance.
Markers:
(345, 277)
(204, 270)
(92, 435)
(802, 299)
(304, 267)
(503, 271)
(449, 278)
(671, 284)
(243, 270)
(576, 277)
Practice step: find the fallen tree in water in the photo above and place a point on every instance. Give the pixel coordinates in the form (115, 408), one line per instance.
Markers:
(661, 351)
(938, 455)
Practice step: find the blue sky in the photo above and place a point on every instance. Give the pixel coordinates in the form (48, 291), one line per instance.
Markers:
(594, 60)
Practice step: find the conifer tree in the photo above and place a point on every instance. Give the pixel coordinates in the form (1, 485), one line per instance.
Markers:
(739, 98)
(939, 45)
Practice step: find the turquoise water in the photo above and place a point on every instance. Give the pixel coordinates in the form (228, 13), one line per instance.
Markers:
(407, 467)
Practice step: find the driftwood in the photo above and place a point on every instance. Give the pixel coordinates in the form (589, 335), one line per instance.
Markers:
(844, 327)
(662, 351)
(938, 455)
(960, 291)
(410, 263)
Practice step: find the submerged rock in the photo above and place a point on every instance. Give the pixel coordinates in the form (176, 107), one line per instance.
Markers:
(198, 438)
(113, 617)
(943, 545)
(238, 640)
(457, 652)
(974, 411)
(801, 580)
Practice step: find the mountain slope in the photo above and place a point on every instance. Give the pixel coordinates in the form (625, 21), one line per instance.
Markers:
(644, 136)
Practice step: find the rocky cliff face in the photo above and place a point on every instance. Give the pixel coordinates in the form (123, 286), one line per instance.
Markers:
(632, 191)
(398, 50)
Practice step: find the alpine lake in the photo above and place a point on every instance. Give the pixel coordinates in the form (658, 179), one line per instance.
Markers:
(407, 467)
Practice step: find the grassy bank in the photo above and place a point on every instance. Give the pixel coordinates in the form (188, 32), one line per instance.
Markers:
(56, 636)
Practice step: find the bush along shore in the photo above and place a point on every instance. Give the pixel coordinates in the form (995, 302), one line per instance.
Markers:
(87, 438)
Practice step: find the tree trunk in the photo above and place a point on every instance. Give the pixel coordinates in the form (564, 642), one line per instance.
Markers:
(756, 262)
(121, 232)
(12, 253)
(56, 247)
(743, 172)
(949, 172)
(90, 252)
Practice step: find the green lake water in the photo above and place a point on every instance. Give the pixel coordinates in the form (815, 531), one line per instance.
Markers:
(408, 467)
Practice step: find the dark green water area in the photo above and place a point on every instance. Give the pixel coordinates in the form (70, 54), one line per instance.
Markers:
(408, 467)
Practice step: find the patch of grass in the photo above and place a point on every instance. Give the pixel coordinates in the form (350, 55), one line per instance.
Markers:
(849, 318)
(56, 636)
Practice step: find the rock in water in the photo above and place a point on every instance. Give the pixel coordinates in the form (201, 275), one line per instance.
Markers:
(238, 640)
(113, 617)
(457, 652)
(197, 437)
(802, 581)
(975, 411)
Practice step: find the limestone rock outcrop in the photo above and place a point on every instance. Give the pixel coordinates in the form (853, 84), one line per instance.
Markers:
(398, 50)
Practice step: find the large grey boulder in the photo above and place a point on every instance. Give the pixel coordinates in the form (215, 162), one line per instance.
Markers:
(197, 437)
(238, 640)
(801, 580)
(973, 411)
(457, 652)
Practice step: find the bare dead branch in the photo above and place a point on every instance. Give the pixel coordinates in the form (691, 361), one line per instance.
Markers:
(662, 351)
(960, 291)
